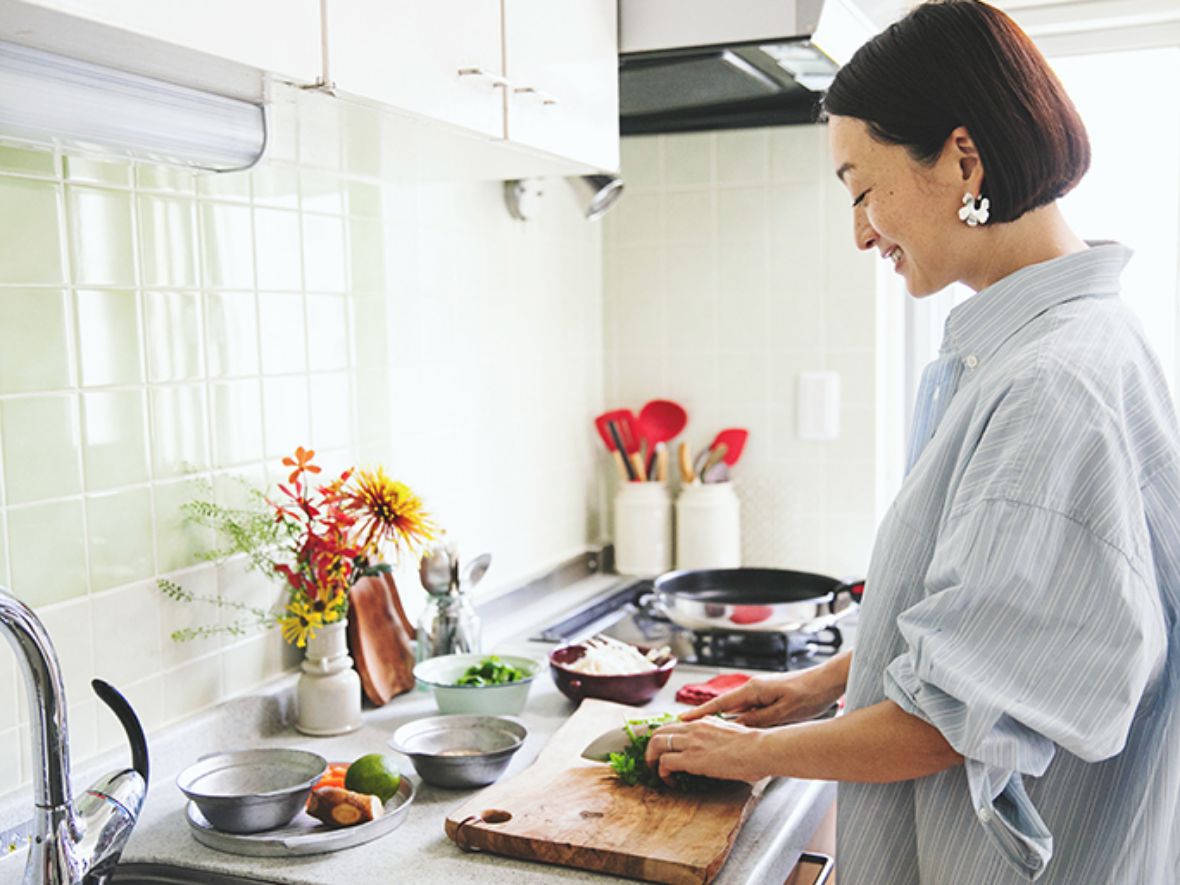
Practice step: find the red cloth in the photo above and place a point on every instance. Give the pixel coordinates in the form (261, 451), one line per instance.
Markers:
(706, 691)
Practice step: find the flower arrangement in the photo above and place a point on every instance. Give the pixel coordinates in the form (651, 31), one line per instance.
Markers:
(318, 539)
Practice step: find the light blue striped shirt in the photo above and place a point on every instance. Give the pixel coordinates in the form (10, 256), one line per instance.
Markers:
(1022, 598)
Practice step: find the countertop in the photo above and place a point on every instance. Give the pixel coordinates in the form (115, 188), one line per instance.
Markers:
(766, 849)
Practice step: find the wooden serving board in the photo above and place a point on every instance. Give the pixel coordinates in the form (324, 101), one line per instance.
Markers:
(568, 810)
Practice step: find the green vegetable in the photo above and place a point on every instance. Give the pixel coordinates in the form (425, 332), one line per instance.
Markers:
(491, 671)
(632, 768)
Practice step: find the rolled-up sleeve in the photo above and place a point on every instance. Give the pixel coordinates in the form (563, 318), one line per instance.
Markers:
(1034, 635)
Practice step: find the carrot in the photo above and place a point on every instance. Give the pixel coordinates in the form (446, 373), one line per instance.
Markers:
(334, 776)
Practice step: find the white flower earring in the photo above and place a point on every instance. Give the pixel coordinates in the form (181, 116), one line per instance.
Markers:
(970, 213)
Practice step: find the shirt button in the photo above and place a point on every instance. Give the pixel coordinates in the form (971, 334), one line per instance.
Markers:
(985, 815)
(971, 361)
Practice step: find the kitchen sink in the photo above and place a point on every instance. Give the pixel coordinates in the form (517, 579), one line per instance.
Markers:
(167, 874)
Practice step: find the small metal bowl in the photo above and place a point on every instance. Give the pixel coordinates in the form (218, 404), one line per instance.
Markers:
(460, 752)
(248, 791)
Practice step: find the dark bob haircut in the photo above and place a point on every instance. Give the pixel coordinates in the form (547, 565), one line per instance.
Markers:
(953, 63)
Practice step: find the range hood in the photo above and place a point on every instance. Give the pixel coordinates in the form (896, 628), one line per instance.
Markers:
(690, 65)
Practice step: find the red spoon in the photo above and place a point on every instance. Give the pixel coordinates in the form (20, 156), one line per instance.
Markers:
(661, 420)
(734, 439)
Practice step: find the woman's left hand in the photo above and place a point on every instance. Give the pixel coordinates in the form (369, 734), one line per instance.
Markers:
(712, 747)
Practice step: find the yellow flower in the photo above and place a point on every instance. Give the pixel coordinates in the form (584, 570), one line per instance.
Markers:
(331, 609)
(301, 624)
(386, 510)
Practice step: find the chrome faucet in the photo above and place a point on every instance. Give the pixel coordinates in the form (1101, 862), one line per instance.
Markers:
(73, 843)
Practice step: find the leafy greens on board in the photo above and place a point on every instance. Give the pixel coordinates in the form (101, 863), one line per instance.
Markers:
(491, 671)
(632, 768)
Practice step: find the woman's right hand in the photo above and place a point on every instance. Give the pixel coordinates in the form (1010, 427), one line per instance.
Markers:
(782, 698)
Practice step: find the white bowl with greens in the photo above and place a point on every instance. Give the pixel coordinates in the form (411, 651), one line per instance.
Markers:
(476, 683)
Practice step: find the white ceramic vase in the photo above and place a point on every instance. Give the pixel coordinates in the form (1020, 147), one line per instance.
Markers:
(328, 697)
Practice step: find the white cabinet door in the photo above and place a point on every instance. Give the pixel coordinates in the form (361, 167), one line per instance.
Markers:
(278, 36)
(562, 61)
(437, 58)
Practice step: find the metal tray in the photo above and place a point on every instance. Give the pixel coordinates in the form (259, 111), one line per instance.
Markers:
(304, 835)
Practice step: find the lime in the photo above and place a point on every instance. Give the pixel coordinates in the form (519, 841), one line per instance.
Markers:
(374, 774)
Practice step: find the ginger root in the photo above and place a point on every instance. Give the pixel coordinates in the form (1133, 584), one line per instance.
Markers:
(338, 807)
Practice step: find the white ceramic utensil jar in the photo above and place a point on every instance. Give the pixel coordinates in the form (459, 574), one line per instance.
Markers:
(643, 529)
(708, 526)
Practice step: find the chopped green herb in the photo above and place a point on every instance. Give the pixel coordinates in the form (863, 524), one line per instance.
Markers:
(491, 671)
(632, 767)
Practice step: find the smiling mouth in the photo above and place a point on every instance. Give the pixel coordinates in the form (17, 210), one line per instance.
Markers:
(894, 255)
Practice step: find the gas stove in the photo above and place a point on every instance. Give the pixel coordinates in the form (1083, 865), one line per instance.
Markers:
(626, 613)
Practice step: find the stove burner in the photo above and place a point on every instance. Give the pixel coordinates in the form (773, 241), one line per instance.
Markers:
(627, 614)
(761, 651)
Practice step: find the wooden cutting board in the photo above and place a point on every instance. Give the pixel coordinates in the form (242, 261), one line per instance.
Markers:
(570, 811)
(379, 635)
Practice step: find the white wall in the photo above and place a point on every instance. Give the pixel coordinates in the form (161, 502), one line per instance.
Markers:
(730, 269)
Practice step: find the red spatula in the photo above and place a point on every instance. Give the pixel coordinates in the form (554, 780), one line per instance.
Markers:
(624, 420)
(734, 439)
(623, 423)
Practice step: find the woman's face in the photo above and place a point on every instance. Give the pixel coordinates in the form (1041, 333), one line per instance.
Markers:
(905, 210)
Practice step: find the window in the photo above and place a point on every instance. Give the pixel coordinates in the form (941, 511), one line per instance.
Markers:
(1131, 194)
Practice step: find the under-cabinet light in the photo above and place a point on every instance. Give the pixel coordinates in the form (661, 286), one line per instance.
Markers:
(47, 98)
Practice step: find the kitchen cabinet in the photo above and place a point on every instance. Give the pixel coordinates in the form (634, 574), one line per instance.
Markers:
(561, 60)
(179, 40)
(441, 60)
(531, 74)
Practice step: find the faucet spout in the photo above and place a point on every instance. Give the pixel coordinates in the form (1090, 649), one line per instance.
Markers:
(47, 707)
(75, 844)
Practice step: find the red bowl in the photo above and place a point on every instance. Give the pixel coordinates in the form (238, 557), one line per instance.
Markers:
(632, 688)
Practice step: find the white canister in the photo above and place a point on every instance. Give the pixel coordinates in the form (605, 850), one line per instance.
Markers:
(708, 526)
(643, 529)
(328, 695)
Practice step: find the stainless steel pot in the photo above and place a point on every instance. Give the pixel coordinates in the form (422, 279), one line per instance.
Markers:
(751, 599)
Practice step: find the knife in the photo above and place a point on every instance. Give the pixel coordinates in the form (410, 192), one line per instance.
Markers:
(616, 740)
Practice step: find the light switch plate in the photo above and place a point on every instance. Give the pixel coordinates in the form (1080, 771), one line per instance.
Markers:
(817, 417)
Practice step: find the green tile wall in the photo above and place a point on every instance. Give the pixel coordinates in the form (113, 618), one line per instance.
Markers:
(157, 325)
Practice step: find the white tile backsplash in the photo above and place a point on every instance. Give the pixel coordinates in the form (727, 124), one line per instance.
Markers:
(9, 686)
(11, 750)
(753, 279)
(192, 687)
(70, 627)
(127, 633)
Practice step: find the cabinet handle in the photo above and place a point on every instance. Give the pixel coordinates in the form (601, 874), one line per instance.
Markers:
(546, 98)
(481, 74)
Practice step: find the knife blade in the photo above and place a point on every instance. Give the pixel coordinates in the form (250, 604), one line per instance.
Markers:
(614, 740)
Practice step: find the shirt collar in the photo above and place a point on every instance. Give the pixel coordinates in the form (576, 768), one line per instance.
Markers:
(978, 326)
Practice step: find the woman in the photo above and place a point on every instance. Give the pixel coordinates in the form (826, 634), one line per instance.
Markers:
(1012, 704)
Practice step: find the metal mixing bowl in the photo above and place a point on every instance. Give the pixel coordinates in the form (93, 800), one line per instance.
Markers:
(460, 752)
(248, 791)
